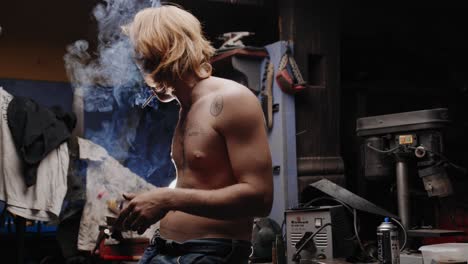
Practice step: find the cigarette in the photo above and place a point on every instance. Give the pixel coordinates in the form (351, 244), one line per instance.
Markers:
(152, 96)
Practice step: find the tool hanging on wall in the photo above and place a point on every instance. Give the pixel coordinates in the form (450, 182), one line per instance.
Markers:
(266, 95)
(289, 76)
(233, 39)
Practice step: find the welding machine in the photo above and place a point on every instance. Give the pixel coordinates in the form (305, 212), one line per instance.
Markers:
(323, 232)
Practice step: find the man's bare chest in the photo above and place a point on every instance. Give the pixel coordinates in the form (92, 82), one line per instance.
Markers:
(197, 145)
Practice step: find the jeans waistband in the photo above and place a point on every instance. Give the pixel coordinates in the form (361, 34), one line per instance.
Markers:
(213, 246)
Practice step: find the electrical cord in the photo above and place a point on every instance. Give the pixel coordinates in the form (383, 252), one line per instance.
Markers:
(353, 213)
(296, 255)
(404, 233)
(445, 159)
(330, 199)
(369, 145)
(283, 233)
(355, 225)
(398, 222)
(356, 230)
(347, 207)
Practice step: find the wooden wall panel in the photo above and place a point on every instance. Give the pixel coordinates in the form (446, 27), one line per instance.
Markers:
(313, 26)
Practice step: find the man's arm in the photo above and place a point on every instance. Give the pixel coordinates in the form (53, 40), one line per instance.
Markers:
(240, 121)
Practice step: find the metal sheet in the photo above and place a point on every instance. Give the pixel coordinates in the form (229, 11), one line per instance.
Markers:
(350, 198)
(406, 121)
(434, 233)
(282, 139)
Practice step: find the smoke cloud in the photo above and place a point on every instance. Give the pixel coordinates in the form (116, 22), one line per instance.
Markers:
(113, 91)
(112, 66)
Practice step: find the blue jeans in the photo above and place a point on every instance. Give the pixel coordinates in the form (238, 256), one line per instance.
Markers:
(206, 251)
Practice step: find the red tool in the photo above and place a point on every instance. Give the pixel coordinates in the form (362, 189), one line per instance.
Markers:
(289, 78)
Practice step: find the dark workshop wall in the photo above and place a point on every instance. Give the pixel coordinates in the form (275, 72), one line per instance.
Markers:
(404, 58)
(35, 34)
(362, 59)
(218, 18)
(314, 28)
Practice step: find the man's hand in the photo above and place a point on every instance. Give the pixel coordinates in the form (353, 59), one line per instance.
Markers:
(142, 211)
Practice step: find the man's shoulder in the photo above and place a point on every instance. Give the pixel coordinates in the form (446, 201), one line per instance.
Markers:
(234, 104)
(230, 92)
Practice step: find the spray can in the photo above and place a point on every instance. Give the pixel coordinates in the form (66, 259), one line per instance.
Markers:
(388, 247)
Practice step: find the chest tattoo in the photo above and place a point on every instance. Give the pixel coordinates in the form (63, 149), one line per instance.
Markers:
(194, 131)
(183, 126)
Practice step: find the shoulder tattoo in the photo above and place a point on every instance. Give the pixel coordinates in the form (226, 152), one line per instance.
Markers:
(216, 106)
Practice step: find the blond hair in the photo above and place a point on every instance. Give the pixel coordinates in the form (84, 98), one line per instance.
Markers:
(169, 43)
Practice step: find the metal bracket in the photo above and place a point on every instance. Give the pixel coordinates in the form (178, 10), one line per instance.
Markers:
(276, 108)
(276, 169)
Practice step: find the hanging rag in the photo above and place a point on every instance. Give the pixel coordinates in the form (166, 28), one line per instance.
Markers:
(36, 131)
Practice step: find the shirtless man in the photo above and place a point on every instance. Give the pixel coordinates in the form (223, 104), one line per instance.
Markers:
(220, 149)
